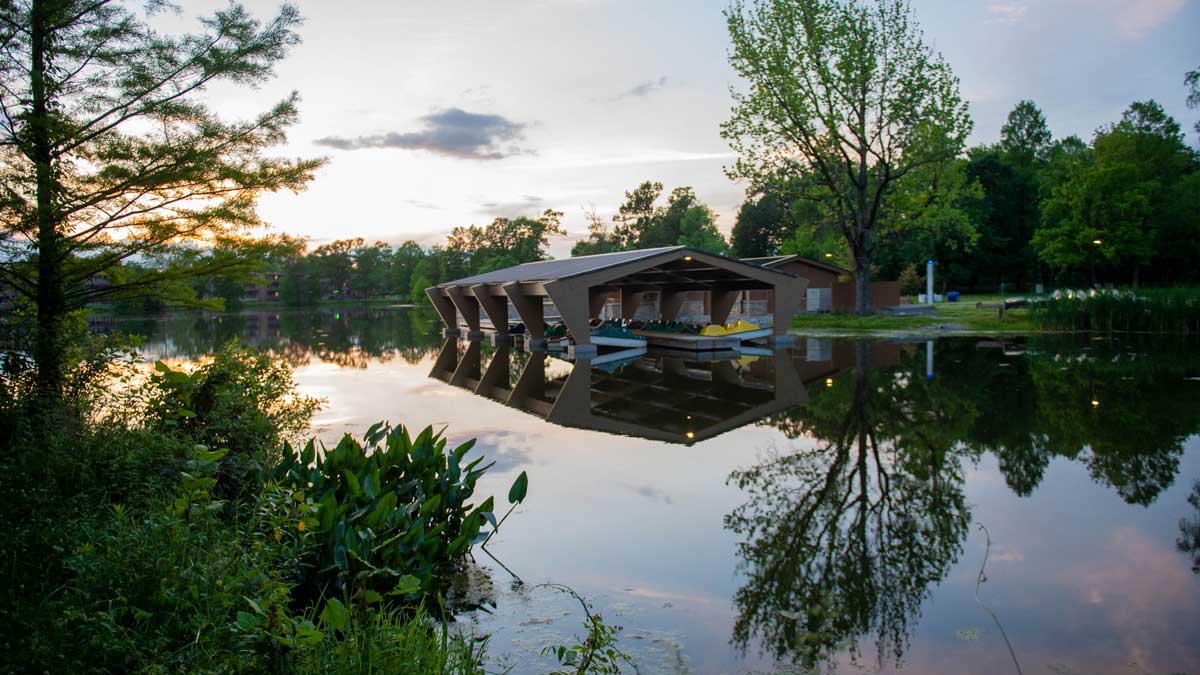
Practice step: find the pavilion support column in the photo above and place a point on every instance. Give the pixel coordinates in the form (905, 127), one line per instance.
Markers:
(496, 308)
(789, 297)
(444, 307)
(669, 304)
(468, 306)
(722, 305)
(574, 304)
(597, 298)
(467, 372)
(531, 383)
(630, 301)
(529, 308)
(495, 376)
(446, 361)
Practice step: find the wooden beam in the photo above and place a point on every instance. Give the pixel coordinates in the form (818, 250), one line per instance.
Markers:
(722, 305)
(444, 307)
(495, 307)
(467, 306)
(530, 308)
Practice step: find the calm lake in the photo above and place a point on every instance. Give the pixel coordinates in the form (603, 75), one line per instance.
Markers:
(821, 507)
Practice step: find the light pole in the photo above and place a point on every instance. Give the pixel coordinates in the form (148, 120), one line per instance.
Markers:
(1092, 256)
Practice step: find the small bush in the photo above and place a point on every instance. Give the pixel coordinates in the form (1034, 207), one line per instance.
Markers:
(911, 281)
(241, 400)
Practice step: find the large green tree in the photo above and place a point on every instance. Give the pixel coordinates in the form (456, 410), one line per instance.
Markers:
(506, 241)
(1121, 198)
(1192, 82)
(764, 222)
(108, 151)
(847, 89)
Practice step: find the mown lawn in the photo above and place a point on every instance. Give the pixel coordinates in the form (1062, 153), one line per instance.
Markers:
(951, 317)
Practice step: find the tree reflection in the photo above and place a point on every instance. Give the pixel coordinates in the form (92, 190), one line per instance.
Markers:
(844, 540)
(1189, 530)
(1123, 409)
(349, 338)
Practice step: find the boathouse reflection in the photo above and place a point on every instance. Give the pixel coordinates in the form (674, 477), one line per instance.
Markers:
(674, 397)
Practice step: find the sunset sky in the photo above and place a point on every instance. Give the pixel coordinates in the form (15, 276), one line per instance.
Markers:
(437, 114)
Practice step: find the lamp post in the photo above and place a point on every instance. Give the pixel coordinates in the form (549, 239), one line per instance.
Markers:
(1092, 257)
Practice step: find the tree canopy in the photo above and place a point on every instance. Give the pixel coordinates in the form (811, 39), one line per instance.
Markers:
(109, 153)
(1120, 200)
(849, 90)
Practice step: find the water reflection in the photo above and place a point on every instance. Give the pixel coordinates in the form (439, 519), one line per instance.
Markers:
(671, 397)
(844, 540)
(840, 519)
(350, 337)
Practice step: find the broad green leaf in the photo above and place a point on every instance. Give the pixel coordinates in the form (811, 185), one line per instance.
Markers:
(335, 615)
(516, 494)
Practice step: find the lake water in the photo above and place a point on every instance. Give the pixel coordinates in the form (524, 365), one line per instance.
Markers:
(822, 507)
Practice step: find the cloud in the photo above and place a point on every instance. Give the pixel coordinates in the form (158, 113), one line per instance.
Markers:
(645, 88)
(526, 205)
(649, 492)
(1007, 12)
(1137, 18)
(424, 205)
(452, 132)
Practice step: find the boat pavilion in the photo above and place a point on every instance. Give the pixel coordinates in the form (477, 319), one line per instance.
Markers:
(580, 287)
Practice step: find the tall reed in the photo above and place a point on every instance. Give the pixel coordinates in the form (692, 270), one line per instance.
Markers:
(1168, 310)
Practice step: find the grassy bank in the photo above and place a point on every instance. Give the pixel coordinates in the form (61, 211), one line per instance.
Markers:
(960, 317)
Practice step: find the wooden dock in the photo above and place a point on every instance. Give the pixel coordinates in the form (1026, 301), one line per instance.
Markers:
(701, 343)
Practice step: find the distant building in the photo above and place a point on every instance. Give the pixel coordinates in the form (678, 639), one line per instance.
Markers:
(263, 286)
(830, 288)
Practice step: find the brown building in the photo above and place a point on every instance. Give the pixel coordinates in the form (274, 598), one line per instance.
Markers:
(830, 288)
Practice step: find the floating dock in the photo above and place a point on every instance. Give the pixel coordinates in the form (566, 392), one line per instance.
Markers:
(700, 343)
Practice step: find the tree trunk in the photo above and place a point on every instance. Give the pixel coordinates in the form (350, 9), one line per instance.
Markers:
(862, 286)
(1134, 281)
(48, 351)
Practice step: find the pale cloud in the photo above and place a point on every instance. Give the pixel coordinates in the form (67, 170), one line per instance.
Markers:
(634, 157)
(1007, 12)
(1137, 18)
(646, 88)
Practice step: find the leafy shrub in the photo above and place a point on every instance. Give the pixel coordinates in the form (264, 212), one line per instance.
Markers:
(242, 400)
(160, 589)
(392, 642)
(391, 513)
(911, 281)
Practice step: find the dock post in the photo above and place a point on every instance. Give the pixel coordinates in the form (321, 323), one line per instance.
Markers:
(445, 309)
(529, 308)
(496, 308)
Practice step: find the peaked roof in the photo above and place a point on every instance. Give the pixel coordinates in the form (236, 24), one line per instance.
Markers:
(546, 270)
(772, 261)
(565, 268)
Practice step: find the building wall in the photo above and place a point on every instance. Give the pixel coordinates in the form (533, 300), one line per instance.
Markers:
(817, 277)
(883, 294)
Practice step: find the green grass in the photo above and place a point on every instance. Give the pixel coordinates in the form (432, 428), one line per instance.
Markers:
(950, 317)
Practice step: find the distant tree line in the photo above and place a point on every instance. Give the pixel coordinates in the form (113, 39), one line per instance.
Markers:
(354, 269)
(641, 222)
(1027, 209)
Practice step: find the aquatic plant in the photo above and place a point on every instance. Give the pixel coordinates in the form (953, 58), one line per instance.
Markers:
(596, 654)
(1171, 310)
(390, 513)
